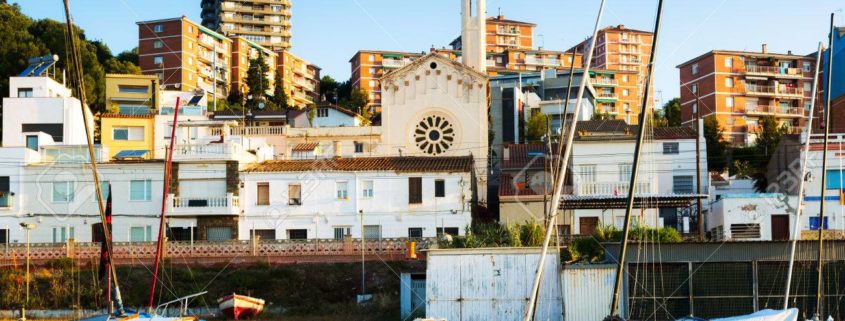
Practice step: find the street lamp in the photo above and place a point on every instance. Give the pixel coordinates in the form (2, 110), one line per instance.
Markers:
(28, 227)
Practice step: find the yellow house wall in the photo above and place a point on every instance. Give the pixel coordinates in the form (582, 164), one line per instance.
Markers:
(107, 125)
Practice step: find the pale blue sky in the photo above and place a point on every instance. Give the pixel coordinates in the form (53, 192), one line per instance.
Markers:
(329, 32)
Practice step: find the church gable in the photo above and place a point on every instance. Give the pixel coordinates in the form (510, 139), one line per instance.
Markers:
(433, 77)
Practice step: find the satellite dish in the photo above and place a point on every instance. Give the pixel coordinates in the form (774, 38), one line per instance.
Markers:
(260, 105)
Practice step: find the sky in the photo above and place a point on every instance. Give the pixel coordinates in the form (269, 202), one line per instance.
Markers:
(329, 32)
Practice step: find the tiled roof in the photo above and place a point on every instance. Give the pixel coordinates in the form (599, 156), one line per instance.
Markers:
(618, 129)
(304, 147)
(521, 156)
(602, 126)
(325, 104)
(501, 19)
(368, 164)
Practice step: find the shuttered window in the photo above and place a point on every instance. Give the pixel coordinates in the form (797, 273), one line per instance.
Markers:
(263, 194)
(414, 190)
(294, 194)
(439, 188)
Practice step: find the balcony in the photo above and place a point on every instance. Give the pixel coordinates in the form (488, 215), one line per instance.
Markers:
(223, 205)
(255, 131)
(772, 91)
(211, 151)
(507, 31)
(774, 71)
(542, 62)
(606, 96)
(629, 40)
(775, 110)
(394, 63)
(611, 188)
(599, 82)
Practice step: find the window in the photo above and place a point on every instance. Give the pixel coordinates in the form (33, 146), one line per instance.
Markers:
(694, 88)
(133, 89)
(729, 101)
(190, 28)
(694, 107)
(263, 234)
(625, 92)
(371, 58)
(372, 71)
(624, 78)
(160, 75)
(729, 82)
(190, 61)
(140, 190)
(359, 147)
(63, 192)
(322, 112)
(158, 60)
(190, 45)
(24, 92)
(682, 184)
(342, 231)
(158, 44)
(694, 69)
(808, 86)
(62, 234)
(814, 223)
(294, 194)
(372, 232)
(342, 190)
(141, 233)
(670, 148)
(414, 190)
(415, 232)
(220, 233)
(367, 189)
(298, 234)
(263, 194)
(372, 83)
(587, 173)
(105, 188)
(453, 231)
(625, 172)
(4, 236)
(128, 133)
(439, 188)
(729, 62)
(32, 142)
(835, 178)
(745, 231)
(806, 67)
(158, 28)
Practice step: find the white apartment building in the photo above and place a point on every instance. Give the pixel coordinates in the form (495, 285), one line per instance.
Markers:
(383, 197)
(602, 159)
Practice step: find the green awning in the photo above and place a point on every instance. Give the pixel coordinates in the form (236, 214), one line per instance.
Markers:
(212, 33)
(606, 100)
(390, 55)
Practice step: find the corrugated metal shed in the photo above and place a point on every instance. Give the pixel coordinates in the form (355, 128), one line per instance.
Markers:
(490, 284)
(588, 291)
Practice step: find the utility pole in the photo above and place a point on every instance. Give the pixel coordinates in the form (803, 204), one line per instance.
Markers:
(27, 227)
(698, 132)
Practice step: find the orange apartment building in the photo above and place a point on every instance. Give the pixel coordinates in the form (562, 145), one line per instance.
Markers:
(185, 55)
(622, 49)
(243, 51)
(369, 65)
(740, 87)
(300, 78)
(616, 93)
(265, 22)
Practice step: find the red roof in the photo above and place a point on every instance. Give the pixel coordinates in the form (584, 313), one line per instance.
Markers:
(365, 164)
(304, 147)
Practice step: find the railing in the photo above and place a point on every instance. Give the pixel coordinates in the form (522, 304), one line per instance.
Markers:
(211, 151)
(193, 202)
(542, 62)
(606, 96)
(774, 70)
(610, 188)
(789, 111)
(252, 131)
(333, 132)
(507, 31)
(629, 40)
(760, 89)
(600, 81)
(281, 251)
(393, 63)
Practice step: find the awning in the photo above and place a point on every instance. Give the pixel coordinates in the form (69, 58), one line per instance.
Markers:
(390, 55)
(305, 147)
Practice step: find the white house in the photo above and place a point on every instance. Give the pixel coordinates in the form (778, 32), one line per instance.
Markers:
(331, 115)
(602, 160)
(751, 217)
(385, 197)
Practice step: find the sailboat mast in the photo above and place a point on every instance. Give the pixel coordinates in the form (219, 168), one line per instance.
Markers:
(820, 261)
(626, 228)
(561, 177)
(76, 76)
(799, 208)
(167, 168)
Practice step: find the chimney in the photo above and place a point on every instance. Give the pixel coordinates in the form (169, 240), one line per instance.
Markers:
(621, 27)
(789, 52)
(506, 152)
(765, 48)
(500, 17)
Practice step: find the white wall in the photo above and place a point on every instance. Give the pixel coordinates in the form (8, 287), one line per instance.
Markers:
(321, 209)
(749, 209)
(335, 118)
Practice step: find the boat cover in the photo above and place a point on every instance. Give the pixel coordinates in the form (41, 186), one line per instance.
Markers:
(766, 315)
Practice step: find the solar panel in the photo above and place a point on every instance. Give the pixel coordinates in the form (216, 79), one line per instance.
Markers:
(131, 153)
(195, 100)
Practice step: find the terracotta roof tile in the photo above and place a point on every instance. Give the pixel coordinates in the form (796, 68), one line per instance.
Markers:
(365, 164)
(116, 115)
(304, 147)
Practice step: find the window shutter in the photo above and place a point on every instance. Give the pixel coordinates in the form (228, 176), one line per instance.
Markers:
(263, 194)
(414, 190)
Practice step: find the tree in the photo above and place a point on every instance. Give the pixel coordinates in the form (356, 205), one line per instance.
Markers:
(602, 116)
(129, 56)
(717, 146)
(280, 98)
(672, 112)
(256, 80)
(235, 100)
(358, 99)
(344, 91)
(768, 135)
(536, 127)
(328, 88)
(18, 44)
(116, 66)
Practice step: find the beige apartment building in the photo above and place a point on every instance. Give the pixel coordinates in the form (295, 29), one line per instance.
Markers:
(740, 87)
(243, 51)
(300, 78)
(265, 22)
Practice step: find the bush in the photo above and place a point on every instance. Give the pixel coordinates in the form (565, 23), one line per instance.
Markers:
(590, 250)
(497, 235)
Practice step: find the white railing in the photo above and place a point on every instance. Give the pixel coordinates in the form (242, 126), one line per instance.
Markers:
(211, 151)
(760, 89)
(600, 81)
(610, 188)
(226, 205)
(788, 111)
(253, 131)
(774, 91)
(774, 70)
(542, 62)
(607, 96)
(393, 63)
(334, 131)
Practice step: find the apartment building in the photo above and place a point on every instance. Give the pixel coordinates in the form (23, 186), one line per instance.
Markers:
(185, 55)
(300, 78)
(518, 60)
(740, 87)
(504, 34)
(243, 51)
(837, 95)
(265, 22)
(369, 65)
(622, 49)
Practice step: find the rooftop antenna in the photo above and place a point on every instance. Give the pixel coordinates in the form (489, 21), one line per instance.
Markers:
(500, 11)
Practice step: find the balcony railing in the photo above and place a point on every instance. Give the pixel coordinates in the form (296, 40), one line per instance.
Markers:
(778, 110)
(542, 62)
(211, 151)
(611, 188)
(603, 82)
(394, 63)
(773, 71)
(766, 90)
(223, 205)
(606, 96)
(507, 31)
(252, 131)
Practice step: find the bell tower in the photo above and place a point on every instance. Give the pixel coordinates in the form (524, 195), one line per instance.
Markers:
(474, 35)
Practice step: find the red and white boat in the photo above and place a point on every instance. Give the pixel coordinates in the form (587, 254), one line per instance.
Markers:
(238, 307)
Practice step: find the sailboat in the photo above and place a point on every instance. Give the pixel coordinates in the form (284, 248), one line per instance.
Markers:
(119, 312)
